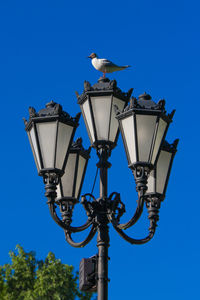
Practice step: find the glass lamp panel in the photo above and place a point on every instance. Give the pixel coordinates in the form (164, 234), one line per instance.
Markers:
(151, 184)
(114, 125)
(129, 138)
(63, 139)
(146, 125)
(85, 108)
(101, 107)
(68, 178)
(47, 139)
(160, 132)
(162, 170)
(34, 147)
(58, 191)
(81, 167)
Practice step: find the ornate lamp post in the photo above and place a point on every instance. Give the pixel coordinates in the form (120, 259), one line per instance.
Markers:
(143, 125)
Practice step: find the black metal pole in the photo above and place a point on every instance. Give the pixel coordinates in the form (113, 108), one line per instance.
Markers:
(103, 234)
(102, 280)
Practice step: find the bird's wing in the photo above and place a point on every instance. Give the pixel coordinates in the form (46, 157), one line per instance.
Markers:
(107, 62)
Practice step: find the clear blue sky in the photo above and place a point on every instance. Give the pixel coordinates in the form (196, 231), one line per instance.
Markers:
(44, 45)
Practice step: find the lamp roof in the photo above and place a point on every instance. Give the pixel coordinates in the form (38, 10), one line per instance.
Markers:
(52, 110)
(103, 86)
(145, 103)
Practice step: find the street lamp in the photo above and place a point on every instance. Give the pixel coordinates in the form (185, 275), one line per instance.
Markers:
(143, 125)
(97, 105)
(71, 182)
(159, 176)
(50, 133)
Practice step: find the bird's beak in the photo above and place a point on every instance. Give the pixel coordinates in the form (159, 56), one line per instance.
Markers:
(89, 57)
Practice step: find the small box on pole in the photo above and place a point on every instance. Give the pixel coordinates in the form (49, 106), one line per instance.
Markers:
(87, 274)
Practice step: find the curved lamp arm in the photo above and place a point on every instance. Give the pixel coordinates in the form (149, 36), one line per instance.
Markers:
(153, 205)
(83, 243)
(132, 240)
(87, 209)
(136, 215)
(52, 209)
(80, 228)
(140, 175)
(117, 209)
(62, 224)
(51, 180)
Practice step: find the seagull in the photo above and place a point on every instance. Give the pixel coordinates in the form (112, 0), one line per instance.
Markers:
(104, 65)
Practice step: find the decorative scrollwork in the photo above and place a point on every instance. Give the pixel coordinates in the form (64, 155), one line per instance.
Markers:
(89, 206)
(103, 210)
(66, 210)
(141, 174)
(116, 208)
(153, 206)
(51, 178)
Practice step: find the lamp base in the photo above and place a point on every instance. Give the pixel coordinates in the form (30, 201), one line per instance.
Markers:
(45, 171)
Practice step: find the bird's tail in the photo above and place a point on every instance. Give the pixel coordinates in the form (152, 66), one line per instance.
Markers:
(124, 67)
(119, 68)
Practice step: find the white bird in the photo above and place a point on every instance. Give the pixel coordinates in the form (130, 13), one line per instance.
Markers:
(104, 65)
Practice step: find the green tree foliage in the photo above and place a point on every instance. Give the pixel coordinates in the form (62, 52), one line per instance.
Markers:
(26, 278)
